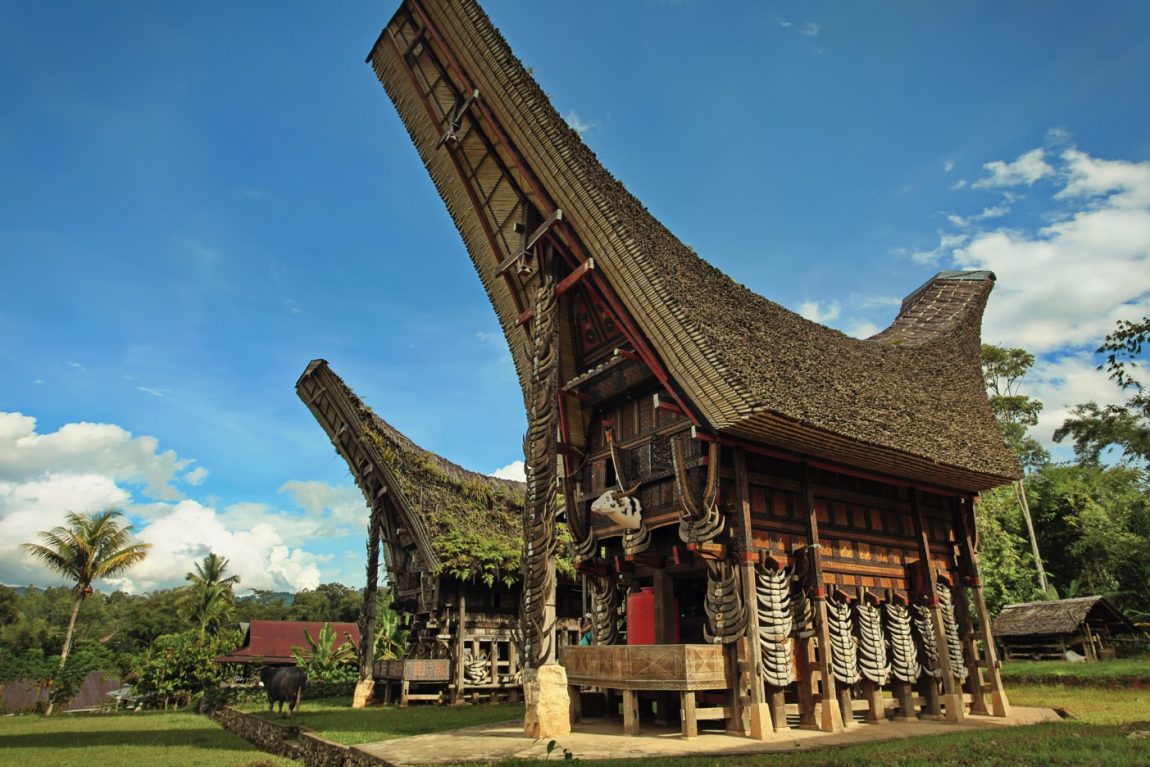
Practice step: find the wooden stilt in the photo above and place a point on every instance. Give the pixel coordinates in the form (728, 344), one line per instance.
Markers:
(846, 704)
(829, 716)
(999, 705)
(687, 712)
(630, 712)
(807, 684)
(778, 702)
(758, 710)
(953, 708)
(876, 706)
(904, 694)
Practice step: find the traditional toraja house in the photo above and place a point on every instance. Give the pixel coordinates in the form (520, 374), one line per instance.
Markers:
(451, 544)
(1089, 626)
(798, 501)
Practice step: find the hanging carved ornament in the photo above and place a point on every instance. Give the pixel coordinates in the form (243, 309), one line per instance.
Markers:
(903, 653)
(638, 541)
(773, 592)
(844, 648)
(476, 669)
(801, 586)
(950, 628)
(604, 608)
(621, 507)
(539, 511)
(872, 654)
(928, 650)
(726, 615)
(698, 522)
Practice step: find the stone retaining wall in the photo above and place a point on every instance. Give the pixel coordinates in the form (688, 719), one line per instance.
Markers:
(291, 741)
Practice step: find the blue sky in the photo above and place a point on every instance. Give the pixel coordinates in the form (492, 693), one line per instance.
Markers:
(196, 199)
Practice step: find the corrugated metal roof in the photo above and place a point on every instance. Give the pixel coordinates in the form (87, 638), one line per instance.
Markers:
(272, 641)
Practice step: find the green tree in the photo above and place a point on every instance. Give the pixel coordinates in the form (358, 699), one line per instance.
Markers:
(331, 602)
(90, 547)
(329, 657)
(209, 602)
(178, 667)
(1126, 427)
(1003, 371)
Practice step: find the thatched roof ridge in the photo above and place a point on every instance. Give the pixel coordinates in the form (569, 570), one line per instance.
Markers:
(910, 401)
(1056, 616)
(471, 522)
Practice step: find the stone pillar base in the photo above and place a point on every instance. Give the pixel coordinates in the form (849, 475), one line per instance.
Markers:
(828, 717)
(999, 705)
(364, 691)
(954, 708)
(759, 716)
(548, 703)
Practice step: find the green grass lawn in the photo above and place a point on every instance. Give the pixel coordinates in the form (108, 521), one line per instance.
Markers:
(144, 739)
(335, 719)
(1110, 706)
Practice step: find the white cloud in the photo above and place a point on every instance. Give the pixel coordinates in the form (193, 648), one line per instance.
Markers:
(1060, 383)
(153, 392)
(344, 503)
(956, 220)
(1027, 169)
(947, 166)
(784, 23)
(820, 311)
(871, 301)
(811, 29)
(861, 329)
(960, 184)
(577, 124)
(514, 470)
(78, 366)
(489, 338)
(79, 448)
(1066, 284)
(84, 467)
(947, 242)
(196, 476)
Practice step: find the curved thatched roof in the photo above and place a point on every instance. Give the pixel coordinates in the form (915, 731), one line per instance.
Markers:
(910, 401)
(463, 523)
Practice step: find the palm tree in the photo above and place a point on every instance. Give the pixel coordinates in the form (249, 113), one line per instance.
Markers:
(89, 547)
(209, 600)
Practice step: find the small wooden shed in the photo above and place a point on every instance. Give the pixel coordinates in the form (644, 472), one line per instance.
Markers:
(1090, 626)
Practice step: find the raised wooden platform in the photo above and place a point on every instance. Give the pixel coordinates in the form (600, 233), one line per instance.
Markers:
(683, 668)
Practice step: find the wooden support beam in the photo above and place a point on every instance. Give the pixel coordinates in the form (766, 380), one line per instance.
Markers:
(828, 717)
(759, 710)
(951, 696)
(461, 620)
(662, 404)
(576, 275)
(999, 705)
(530, 241)
(449, 136)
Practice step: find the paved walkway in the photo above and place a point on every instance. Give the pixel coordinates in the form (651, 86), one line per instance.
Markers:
(604, 739)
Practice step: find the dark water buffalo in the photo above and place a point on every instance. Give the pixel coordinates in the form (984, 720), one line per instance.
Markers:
(284, 684)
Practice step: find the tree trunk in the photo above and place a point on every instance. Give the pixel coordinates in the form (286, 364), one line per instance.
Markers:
(67, 644)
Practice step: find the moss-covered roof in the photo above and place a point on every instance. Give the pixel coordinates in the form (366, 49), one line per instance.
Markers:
(471, 522)
(909, 401)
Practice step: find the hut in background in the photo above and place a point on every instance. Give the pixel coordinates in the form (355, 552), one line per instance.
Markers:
(1089, 626)
(451, 544)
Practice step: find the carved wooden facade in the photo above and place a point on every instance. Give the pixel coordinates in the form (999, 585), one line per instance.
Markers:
(806, 498)
(463, 614)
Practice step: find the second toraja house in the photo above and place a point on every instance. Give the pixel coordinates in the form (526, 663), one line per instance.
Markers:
(451, 547)
(804, 499)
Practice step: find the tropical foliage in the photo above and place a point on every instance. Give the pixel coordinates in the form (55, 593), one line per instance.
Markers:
(329, 657)
(178, 667)
(90, 547)
(209, 602)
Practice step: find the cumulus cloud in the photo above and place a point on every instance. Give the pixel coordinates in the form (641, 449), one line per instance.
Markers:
(514, 470)
(577, 124)
(1062, 381)
(1068, 283)
(1027, 169)
(820, 311)
(84, 467)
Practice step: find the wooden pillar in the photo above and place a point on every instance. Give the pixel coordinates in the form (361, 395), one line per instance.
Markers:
(807, 686)
(758, 710)
(827, 717)
(951, 697)
(365, 689)
(460, 645)
(999, 705)
(666, 620)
